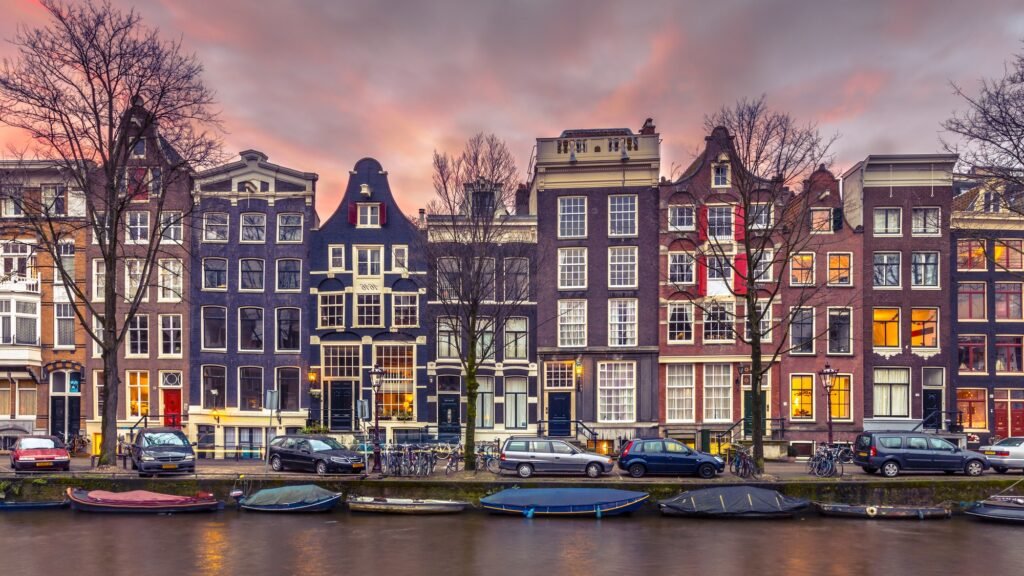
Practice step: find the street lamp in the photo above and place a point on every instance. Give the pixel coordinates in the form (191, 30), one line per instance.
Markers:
(376, 374)
(827, 375)
(216, 405)
(316, 394)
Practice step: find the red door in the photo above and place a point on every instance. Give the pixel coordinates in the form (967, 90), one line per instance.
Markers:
(1016, 418)
(172, 408)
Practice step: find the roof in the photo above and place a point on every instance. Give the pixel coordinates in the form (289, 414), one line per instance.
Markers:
(902, 159)
(261, 161)
(596, 132)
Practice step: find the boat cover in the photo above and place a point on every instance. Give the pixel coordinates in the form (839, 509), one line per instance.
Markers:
(558, 497)
(142, 497)
(734, 501)
(288, 495)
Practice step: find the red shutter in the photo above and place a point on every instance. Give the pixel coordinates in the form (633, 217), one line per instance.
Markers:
(383, 213)
(739, 225)
(702, 223)
(702, 275)
(353, 215)
(739, 283)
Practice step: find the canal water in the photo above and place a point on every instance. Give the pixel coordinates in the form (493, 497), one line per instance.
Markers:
(78, 544)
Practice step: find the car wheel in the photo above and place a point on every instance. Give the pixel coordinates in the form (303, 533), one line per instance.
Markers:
(974, 468)
(321, 467)
(637, 470)
(869, 469)
(275, 464)
(593, 470)
(706, 471)
(890, 469)
(524, 470)
(1001, 469)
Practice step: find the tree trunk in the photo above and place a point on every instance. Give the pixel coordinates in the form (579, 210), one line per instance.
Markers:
(108, 427)
(471, 389)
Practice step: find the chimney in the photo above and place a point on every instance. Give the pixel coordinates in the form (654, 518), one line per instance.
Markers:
(522, 200)
(423, 217)
(648, 127)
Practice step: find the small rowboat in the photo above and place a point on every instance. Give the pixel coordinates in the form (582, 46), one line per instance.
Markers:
(19, 506)
(564, 502)
(140, 501)
(305, 498)
(999, 509)
(405, 505)
(883, 512)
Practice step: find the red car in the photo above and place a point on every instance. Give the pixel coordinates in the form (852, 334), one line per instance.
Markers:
(39, 453)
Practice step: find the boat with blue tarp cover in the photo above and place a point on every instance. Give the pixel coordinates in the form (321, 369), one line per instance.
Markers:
(732, 502)
(597, 502)
(304, 498)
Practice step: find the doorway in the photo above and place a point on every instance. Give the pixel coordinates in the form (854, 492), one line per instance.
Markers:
(560, 413)
(340, 406)
(449, 410)
(931, 403)
(171, 402)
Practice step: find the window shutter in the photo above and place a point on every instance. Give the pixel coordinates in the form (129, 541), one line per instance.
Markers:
(739, 225)
(383, 213)
(739, 284)
(702, 275)
(353, 215)
(702, 223)
(837, 219)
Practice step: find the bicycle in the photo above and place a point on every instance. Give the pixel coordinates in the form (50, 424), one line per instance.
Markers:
(488, 456)
(454, 459)
(76, 444)
(742, 464)
(826, 462)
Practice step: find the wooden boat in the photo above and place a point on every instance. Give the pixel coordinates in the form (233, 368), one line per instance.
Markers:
(999, 509)
(140, 501)
(564, 502)
(19, 506)
(405, 505)
(732, 502)
(883, 512)
(304, 498)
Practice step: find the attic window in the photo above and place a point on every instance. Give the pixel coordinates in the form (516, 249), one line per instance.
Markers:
(720, 176)
(369, 215)
(139, 149)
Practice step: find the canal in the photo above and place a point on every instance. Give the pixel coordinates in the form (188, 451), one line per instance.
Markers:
(78, 544)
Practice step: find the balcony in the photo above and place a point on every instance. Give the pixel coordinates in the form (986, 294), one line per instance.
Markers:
(21, 283)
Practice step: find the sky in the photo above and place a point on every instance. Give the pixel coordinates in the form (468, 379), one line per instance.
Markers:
(318, 84)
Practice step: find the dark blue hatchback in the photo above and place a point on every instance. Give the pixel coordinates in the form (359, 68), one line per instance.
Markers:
(666, 456)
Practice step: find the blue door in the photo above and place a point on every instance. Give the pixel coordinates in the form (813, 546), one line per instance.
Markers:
(449, 407)
(560, 413)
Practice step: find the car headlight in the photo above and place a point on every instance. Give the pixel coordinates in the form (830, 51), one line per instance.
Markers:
(188, 458)
(719, 460)
(61, 458)
(339, 460)
(147, 458)
(27, 459)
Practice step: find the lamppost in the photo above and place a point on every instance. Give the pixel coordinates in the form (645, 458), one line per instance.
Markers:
(316, 394)
(827, 375)
(376, 374)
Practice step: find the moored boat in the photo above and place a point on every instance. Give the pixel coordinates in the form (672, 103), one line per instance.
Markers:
(597, 502)
(140, 501)
(19, 506)
(732, 502)
(1000, 509)
(883, 512)
(405, 505)
(304, 498)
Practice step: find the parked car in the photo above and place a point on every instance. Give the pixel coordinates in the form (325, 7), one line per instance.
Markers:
(1005, 454)
(667, 456)
(528, 456)
(39, 453)
(162, 450)
(893, 452)
(320, 454)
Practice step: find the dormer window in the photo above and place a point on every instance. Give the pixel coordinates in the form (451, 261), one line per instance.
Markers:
(369, 215)
(720, 175)
(139, 149)
(991, 202)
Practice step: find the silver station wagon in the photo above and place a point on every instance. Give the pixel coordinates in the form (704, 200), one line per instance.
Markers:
(528, 456)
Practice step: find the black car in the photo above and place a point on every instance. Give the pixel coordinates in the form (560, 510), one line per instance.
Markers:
(896, 451)
(320, 454)
(657, 456)
(162, 450)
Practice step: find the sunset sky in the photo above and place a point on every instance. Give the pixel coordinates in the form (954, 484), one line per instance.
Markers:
(319, 84)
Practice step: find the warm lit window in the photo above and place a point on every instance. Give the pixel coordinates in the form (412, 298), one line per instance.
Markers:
(885, 329)
(1008, 301)
(970, 255)
(972, 403)
(971, 353)
(887, 221)
(821, 220)
(1009, 353)
(138, 393)
(840, 273)
(840, 399)
(801, 397)
(970, 301)
(1007, 254)
(886, 269)
(801, 270)
(924, 328)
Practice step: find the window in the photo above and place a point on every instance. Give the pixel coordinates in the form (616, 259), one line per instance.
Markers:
(170, 335)
(332, 310)
(840, 272)
(973, 406)
(924, 222)
(250, 275)
(400, 258)
(840, 332)
(289, 228)
(885, 329)
(924, 328)
(485, 339)
(971, 354)
(55, 199)
(680, 219)
(517, 279)
(970, 301)
(720, 222)
(931, 376)
(515, 403)
(680, 322)
(485, 402)
(449, 279)
(763, 317)
(840, 399)
(719, 268)
(572, 323)
(1008, 301)
(679, 393)
(559, 375)
(97, 328)
(801, 270)
(250, 329)
(138, 393)
(254, 228)
(886, 269)
(616, 384)
(759, 217)
(622, 215)
(341, 362)
(398, 385)
(11, 206)
(622, 267)
(99, 280)
(139, 148)
(215, 274)
(336, 257)
(1009, 351)
(622, 322)
(448, 338)
(250, 388)
(485, 278)
(887, 221)
(801, 332)
(516, 335)
(405, 313)
(924, 269)
(762, 266)
(718, 392)
(821, 220)
(25, 322)
(171, 227)
(66, 254)
(970, 255)
(801, 397)
(288, 389)
(572, 268)
(138, 227)
(891, 392)
(288, 330)
(368, 261)
(1009, 255)
(215, 329)
(572, 217)
(214, 387)
(369, 310)
(169, 276)
(133, 286)
(215, 227)
(720, 175)
(718, 322)
(680, 269)
(369, 215)
(64, 325)
(289, 275)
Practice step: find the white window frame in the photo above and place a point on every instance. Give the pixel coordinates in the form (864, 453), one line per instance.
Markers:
(206, 228)
(277, 333)
(301, 225)
(689, 308)
(128, 353)
(320, 305)
(730, 310)
(238, 330)
(576, 250)
(629, 327)
(678, 259)
(706, 397)
(263, 283)
(394, 308)
(909, 392)
(726, 208)
(277, 275)
(899, 221)
(828, 268)
(636, 209)
(99, 280)
(604, 415)
(202, 330)
(714, 176)
(357, 249)
(612, 255)
(137, 220)
(814, 271)
(400, 254)
(356, 306)
(678, 210)
(814, 398)
(172, 226)
(814, 331)
(579, 306)
(371, 211)
(242, 226)
(176, 284)
(335, 250)
(938, 271)
(938, 222)
(227, 273)
(68, 307)
(828, 330)
(160, 336)
(752, 223)
(129, 292)
(680, 383)
(899, 270)
(561, 233)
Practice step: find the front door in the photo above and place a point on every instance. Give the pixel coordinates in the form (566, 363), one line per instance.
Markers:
(340, 406)
(932, 408)
(560, 413)
(172, 407)
(748, 412)
(58, 417)
(449, 409)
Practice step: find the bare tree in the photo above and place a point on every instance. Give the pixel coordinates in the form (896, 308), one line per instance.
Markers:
(93, 88)
(480, 255)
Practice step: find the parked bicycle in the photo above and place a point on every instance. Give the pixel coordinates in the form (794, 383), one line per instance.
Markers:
(455, 459)
(827, 461)
(76, 443)
(488, 455)
(742, 463)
